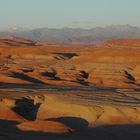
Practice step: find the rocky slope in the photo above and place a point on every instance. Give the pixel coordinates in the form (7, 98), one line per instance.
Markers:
(47, 114)
(107, 65)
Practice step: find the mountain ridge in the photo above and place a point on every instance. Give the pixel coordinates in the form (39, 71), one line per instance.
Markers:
(78, 35)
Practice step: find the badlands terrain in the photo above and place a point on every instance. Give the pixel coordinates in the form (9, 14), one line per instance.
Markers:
(68, 92)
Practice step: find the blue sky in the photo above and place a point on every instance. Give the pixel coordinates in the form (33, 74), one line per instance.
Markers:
(68, 13)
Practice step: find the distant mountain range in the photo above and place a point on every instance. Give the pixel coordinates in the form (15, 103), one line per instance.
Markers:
(77, 35)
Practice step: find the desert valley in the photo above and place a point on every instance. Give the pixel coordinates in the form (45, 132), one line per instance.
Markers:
(58, 91)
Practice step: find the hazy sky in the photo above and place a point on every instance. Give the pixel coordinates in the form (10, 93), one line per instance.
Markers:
(68, 13)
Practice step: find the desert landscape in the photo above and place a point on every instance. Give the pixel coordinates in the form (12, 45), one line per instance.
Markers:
(69, 70)
(58, 91)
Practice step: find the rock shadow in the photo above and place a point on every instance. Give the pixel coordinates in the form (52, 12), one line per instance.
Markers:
(68, 55)
(26, 108)
(72, 122)
(22, 76)
(50, 75)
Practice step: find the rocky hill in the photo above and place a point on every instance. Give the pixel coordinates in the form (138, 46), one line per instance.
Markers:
(69, 91)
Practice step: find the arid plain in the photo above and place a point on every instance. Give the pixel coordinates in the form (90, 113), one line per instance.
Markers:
(80, 92)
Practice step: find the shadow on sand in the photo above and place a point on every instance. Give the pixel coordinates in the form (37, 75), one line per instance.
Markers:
(8, 131)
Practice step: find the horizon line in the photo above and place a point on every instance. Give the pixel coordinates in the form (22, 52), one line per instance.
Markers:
(16, 28)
